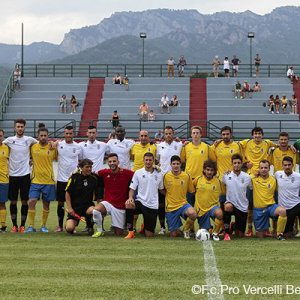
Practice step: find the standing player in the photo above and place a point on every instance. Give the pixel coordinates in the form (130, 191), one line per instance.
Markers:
(177, 184)
(164, 151)
(4, 181)
(236, 201)
(264, 206)
(19, 172)
(69, 154)
(148, 181)
(121, 146)
(208, 190)
(42, 181)
(116, 183)
(289, 193)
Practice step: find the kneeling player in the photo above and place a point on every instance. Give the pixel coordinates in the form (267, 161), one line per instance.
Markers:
(208, 190)
(80, 193)
(147, 181)
(236, 201)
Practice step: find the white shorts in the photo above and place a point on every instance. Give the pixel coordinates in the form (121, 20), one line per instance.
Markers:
(143, 113)
(235, 67)
(118, 216)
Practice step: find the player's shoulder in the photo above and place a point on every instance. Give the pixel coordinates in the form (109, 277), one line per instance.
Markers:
(127, 172)
(278, 174)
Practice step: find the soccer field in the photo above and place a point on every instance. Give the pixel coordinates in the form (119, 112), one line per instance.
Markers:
(62, 266)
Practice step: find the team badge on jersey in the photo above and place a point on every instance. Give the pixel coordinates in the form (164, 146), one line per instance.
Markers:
(85, 183)
(48, 152)
(149, 149)
(74, 150)
(3, 152)
(144, 176)
(269, 186)
(293, 180)
(98, 147)
(231, 151)
(175, 148)
(182, 182)
(262, 150)
(202, 152)
(214, 188)
(85, 145)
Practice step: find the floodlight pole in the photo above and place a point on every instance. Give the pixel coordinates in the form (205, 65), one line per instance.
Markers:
(250, 36)
(22, 50)
(143, 35)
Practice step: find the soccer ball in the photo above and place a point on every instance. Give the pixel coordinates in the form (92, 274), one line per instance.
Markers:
(202, 235)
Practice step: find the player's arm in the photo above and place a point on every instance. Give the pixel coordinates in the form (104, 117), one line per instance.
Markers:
(190, 187)
(69, 205)
(182, 154)
(212, 152)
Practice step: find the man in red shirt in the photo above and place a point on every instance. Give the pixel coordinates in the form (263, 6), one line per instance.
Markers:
(116, 187)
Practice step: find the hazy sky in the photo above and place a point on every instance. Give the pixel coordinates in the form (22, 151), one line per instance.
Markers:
(49, 20)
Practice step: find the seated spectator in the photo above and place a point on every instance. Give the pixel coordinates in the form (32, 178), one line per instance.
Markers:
(143, 111)
(174, 101)
(291, 74)
(164, 103)
(277, 104)
(63, 101)
(115, 119)
(238, 89)
(158, 135)
(117, 79)
(17, 79)
(74, 102)
(284, 103)
(256, 87)
(126, 81)
(151, 116)
(247, 89)
(216, 62)
(171, 63)
(293, 104)
(271, 103)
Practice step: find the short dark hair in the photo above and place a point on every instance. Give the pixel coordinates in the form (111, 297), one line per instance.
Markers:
(257, 129)
(210, 164)
(42, 127)
(169, 128)
(2, 131)
(226, 128)
(84, 162)
(149, 154)
(113, 155)
(92, 127)
(21, 121)
(236, 156)
(175, 158)
(288, 158)
(69, 127)
(265, 161)
(283, 133)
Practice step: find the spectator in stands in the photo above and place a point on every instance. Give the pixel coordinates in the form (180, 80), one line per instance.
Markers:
(158, 135)
(117, 79)
(257, 62)
(171, 63)
(112, 135)
(247, 89)
(17, 79)
(74, 102)
(63, 101)
(226, 64)
(256, 87)
(291, 74)
(126, 82)
(151, 116)
(277, 104)
(235, 65)
(115, 119)
(284, 103)
(143, 111)
(180, 65)
(293, 104)
(174, 101)
(216, 62)
(238, 89)
(271, 104)
(164, 103)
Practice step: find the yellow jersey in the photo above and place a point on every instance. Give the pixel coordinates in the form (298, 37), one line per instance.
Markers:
(137, 154)
(255, 153)
(263, 191)
(42, 157)
(176, 188)
(4, 156)
(222, 155)
(207, 194)
(194, 156)
(277, 156)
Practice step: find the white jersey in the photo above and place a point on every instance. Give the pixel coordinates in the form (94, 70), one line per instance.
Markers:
(165, 151)
(19, 156)
(164, 101)
(288, 189)
(148, 185)
(68, 157)
(122, 148)
(95, 152)
(236, 187)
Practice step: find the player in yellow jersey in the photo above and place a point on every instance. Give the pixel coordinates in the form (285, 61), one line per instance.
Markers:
(42, 181)
(208, 190)
(264, 206)
(177, 184)
(4, 181)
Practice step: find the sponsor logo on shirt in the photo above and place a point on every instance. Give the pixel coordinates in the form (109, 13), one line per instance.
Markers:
(182, 182)
(85, 145)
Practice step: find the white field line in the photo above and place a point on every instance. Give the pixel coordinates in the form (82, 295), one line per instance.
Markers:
(212, 272)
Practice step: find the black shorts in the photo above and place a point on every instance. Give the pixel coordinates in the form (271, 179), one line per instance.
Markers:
(291, 215)
(149, 214)
(240, 219)
(161, 199)
(226, 71)
(80, 211)
(61, 191)
(17, 183)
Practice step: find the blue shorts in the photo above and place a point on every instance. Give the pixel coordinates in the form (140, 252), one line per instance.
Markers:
(4, 192)
(250, 195)
(47, 191)
(204, 221)
(222, 199)
(173, 217)
(261, 217)
(190, 199)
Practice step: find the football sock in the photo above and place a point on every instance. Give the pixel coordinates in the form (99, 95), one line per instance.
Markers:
(31, 217)
(61, 215)
(281, 224)
(296, 226)
(135, 217)
(227, 219)
(162, 216)
(218, 225)
(97, 217)
(45, 214)
(13, 213)
(3, 217)
(24, 212)
(89, 222)
(129, 219)
(274, 225)
(188, 224)
(250, 219)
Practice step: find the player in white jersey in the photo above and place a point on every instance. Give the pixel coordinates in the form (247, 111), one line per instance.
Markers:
(122, 147)
(236, 200)
(164, 151)
(19, 172)
(288, 193)
(69, 153)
